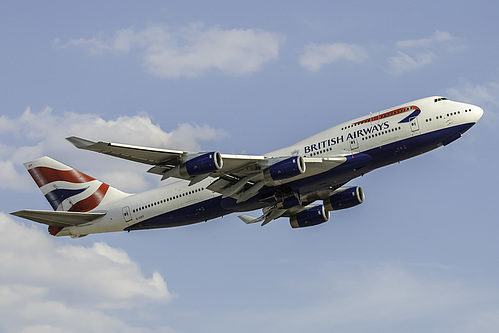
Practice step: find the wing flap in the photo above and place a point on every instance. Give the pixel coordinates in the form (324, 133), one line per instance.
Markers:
(57, 219)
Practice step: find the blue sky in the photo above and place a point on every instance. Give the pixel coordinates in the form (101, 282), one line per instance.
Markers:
(418, 255)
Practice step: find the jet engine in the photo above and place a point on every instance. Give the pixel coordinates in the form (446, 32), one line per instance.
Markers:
(311, 216)
(202, 164)
(345, 198)
(284, 169)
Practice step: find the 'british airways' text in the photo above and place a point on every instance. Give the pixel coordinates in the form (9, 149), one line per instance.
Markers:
(352, 135)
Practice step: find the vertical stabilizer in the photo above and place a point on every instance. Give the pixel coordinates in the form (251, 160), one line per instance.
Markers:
(67, 189)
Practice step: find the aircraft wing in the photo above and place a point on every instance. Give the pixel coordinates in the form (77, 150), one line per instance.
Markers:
(163, 159)
(238, 176)
(152, 156)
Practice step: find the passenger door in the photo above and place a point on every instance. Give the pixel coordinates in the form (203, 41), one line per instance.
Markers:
(414, 124)
(354, 144)
(127, 216)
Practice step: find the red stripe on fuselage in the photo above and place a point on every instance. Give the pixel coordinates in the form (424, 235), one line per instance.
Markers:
(388, 114)
(92, 201)
(45, 175)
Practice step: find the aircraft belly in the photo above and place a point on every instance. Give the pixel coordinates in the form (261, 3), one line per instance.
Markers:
(413, 146)
(198, 212)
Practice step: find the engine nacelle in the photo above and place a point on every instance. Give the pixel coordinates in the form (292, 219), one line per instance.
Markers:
(202, 164)
(309, 217)
(285, 169)
(346, 198)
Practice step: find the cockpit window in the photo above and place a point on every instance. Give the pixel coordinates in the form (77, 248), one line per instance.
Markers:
(440, 99)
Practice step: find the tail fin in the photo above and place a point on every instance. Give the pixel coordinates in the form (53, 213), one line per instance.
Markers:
(67, 189)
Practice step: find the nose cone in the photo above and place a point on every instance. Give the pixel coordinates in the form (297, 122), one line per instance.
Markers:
(477, 112)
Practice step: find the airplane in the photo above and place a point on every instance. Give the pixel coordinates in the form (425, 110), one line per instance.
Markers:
(283, 183)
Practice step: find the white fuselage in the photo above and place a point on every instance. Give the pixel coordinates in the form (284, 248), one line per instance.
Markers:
(388, 136)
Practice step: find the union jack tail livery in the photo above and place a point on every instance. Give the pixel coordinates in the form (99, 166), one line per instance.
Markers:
(77, 199)
(67, 189)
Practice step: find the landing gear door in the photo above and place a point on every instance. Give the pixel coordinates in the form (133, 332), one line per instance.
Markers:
(126, 214)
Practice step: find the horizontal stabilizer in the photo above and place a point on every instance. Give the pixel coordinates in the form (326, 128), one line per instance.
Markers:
(58, 219)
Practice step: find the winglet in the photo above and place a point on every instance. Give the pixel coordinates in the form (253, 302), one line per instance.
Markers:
(79, 142)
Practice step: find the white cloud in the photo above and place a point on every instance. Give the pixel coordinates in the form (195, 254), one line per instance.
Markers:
(437, 38)
(49, 287)
(34, 134)
(190, 51)
(409, 54)
(404, 62)
(315, 56)
(485, 95)
(417, 53)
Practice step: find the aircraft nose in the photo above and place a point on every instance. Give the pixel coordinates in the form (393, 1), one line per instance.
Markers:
(478, 112)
